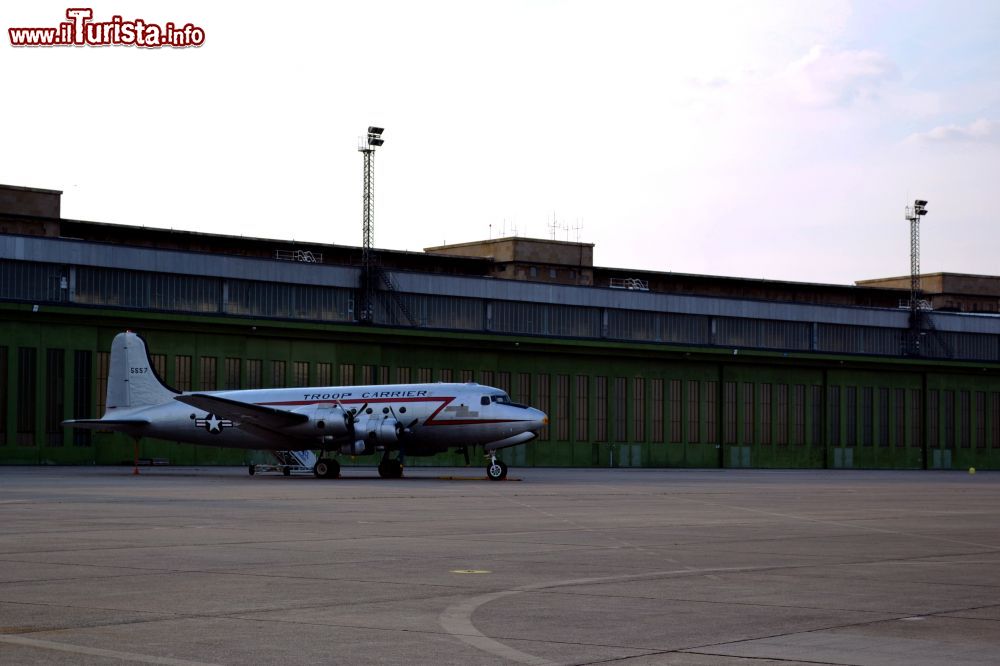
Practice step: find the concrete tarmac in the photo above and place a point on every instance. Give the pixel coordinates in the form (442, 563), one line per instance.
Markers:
(211, 566)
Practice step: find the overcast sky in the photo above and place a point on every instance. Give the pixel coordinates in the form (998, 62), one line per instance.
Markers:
(759, 139)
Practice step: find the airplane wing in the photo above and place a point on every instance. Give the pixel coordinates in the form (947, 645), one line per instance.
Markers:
(244, 413)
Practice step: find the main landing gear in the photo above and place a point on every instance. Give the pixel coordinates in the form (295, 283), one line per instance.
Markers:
(327, 468)
(496, 470)
(390, 468)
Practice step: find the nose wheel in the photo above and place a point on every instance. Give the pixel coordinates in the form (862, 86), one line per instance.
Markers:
(496, 470)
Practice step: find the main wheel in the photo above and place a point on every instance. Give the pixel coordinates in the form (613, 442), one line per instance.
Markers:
(390, 469)
(497, 470)
(252, 469)
(326, 468)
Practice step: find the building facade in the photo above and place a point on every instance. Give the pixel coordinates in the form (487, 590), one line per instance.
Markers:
(631, 374)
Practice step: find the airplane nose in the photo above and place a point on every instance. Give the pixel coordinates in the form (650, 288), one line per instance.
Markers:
(541, 419)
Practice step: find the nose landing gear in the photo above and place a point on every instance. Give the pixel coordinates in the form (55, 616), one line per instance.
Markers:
(496, 470)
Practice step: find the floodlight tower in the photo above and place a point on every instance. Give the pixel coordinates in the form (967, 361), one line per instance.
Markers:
(367, 149)
(913, 215)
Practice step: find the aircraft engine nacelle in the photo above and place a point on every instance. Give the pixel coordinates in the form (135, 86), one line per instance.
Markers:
(382, 431)
(331, 422)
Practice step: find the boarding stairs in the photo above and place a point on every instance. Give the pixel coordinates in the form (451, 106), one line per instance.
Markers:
(288, 462)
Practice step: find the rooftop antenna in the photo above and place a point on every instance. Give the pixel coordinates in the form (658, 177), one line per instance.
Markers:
(917, 306)
(367, 149)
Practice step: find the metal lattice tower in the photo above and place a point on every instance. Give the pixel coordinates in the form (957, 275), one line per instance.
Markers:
(368, 268)
(914, 214)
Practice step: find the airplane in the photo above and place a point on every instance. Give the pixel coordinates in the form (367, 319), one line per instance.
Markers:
(409, 419)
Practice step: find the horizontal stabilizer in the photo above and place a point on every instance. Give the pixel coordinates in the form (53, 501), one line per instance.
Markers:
(243, 413)
(124, 425)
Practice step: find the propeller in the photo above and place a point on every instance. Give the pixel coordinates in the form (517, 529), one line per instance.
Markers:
(465, 452)
(405, 429)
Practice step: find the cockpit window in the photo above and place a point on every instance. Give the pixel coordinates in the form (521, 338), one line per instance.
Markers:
(504, 399)
(485, 400)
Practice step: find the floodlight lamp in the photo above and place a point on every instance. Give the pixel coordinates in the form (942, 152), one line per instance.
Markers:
(375, 141)
(919, 203)
(921, 211)
(377, 131)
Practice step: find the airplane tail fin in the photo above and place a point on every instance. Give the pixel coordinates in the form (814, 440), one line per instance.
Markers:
(132, 380)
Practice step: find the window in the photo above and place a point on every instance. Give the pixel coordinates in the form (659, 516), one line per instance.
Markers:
(900, 417)
(182, 373)
(254, 373)
(582, 404)
(103, 359)
(765, 413)
(465, 376)
(446, 375)
(486, 377)
(424, 376)
(817, 415)
(852, 415)
(232, 374)
(346, 374)
(300, 373)
(980, 420)
(159, 362)
(544, 402)
(799, 418)
(403, 375)
(27, 373)
(324, 374)
(278, 374)
(3, 395)
(748, 412)
(54, 387)
(916, 415)
(833, 415)
(994, 416)
(949, 419)
(383, 374)
(712, 407)
(867, 416)
(729, 413)
(933, 419)
(676, 435)
(964, 419)
(883, 418)
(656, 395)
(621, 399)
(367, 375)
(82, 394)
(503, 381)
(602, 409)
(639, 410)
(55, 391)
(694, 412)
(524, 388)
(782, 416)
(562, 407)
(207, 373)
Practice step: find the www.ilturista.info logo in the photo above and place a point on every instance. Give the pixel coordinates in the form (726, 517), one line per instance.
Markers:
(82, 30)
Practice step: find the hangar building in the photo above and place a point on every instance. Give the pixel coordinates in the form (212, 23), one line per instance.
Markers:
(635, 368)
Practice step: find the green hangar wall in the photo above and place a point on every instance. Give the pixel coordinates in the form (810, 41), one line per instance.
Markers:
(611, 403)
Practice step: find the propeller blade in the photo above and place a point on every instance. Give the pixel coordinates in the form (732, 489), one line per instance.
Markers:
(465, 452)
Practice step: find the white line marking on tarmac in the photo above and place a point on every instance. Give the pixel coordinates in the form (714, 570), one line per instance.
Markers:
(97, 652)
(457, 618)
